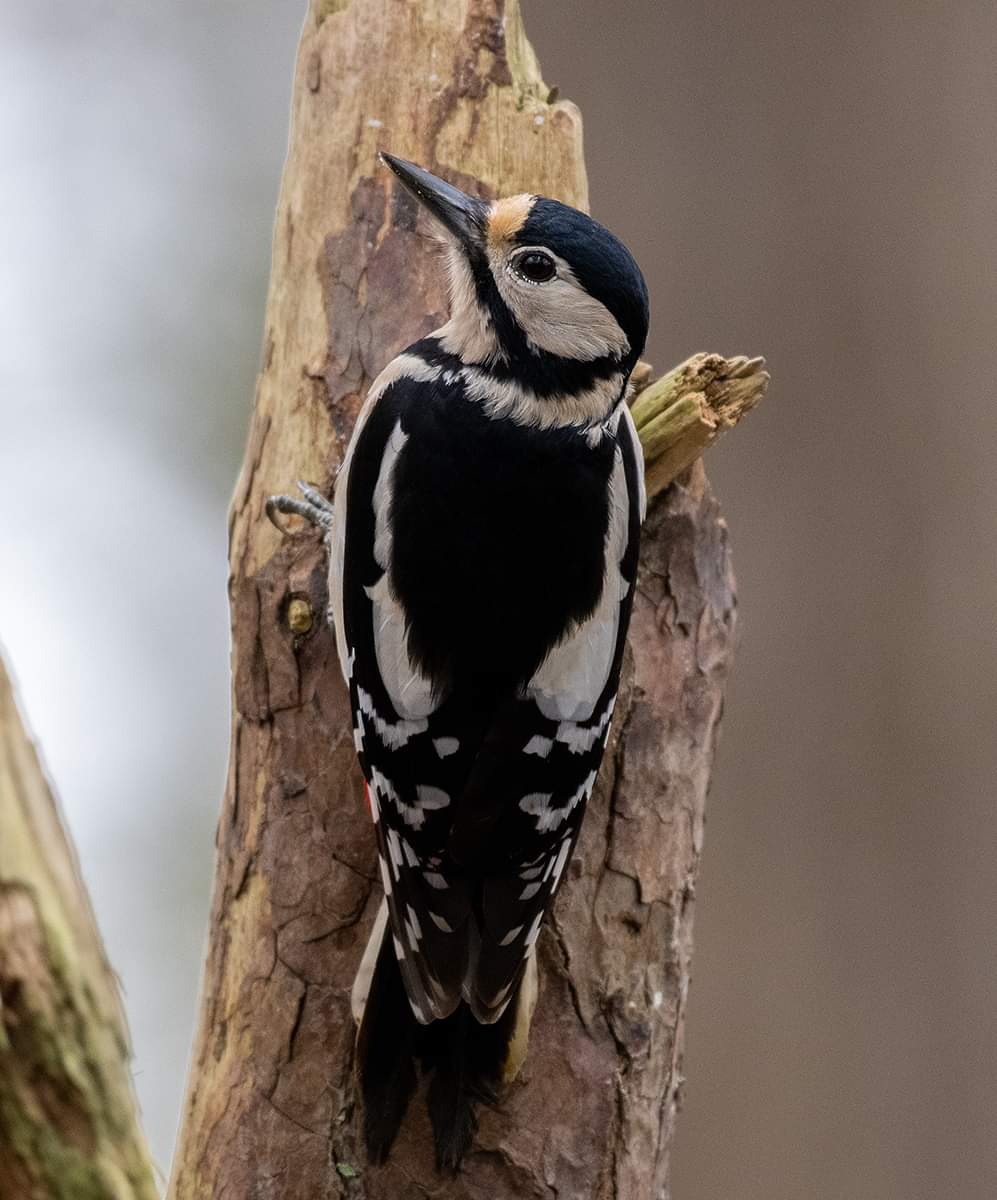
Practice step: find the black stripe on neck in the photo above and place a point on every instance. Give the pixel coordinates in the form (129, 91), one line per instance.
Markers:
(550, 375)
(547, 376)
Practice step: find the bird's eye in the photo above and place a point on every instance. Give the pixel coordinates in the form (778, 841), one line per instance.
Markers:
(535, 266)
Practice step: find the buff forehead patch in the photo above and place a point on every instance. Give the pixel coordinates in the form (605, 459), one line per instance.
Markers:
(507, 217)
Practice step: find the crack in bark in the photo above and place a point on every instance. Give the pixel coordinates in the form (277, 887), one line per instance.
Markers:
(299, 1013)
(563, 969)
(287, 1117)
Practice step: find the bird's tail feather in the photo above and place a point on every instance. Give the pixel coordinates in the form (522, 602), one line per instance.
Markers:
(385, 1052)
(467, 1062)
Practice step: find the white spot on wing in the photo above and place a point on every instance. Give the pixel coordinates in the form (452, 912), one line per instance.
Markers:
(394, 853)
(432, 797)
(537, 804)
(435, 880)
(579, 738)
(445, 746)
(441, 923)
(540, 746)
(530, 890)
(427, 800)
(392, 733)
(413, 926)
(511, 935)
(562, 858)
(382, 786)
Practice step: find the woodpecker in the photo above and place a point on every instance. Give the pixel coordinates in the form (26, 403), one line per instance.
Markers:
(483, 557)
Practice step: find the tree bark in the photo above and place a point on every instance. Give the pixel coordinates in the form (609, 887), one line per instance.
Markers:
(68, 1123)
(270, 1109)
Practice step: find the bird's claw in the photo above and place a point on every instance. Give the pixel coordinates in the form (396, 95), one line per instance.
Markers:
(315, 509)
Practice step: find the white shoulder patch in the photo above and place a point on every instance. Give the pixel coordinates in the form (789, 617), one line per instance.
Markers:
(410, 692)
(571, 678)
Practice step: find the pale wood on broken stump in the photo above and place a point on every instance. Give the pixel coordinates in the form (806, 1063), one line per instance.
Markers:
(270, 1108)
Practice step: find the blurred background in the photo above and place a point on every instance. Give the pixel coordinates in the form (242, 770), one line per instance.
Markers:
(815, 183)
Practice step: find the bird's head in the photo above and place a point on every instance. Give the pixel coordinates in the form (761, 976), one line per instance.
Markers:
(540, 293)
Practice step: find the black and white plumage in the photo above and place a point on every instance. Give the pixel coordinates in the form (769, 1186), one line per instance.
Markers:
(484, 554)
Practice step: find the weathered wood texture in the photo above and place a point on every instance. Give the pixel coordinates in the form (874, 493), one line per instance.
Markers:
(270, 1110)
(68, 1125)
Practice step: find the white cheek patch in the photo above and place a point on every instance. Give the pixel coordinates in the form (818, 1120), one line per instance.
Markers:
(558, 317)
(469, 333)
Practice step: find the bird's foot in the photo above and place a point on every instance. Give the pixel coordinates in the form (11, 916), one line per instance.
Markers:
(315, 508)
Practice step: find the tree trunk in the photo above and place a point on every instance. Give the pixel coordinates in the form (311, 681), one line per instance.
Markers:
(270, 1109)
(68, 1124)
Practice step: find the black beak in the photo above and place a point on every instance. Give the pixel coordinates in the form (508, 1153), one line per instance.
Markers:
(462, 215)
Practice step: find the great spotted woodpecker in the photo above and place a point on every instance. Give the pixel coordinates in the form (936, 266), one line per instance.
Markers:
(484, 542)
